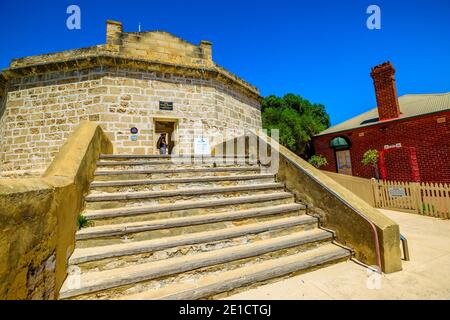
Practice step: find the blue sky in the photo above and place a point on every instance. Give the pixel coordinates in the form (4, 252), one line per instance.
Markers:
(319, 49)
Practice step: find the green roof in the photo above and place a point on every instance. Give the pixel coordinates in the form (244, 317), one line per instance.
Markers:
(411, 105)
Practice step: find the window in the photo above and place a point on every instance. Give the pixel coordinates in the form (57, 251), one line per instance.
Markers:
(344, 162)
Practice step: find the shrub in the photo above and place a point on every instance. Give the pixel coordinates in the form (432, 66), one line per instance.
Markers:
(318, 161)
(370, 158)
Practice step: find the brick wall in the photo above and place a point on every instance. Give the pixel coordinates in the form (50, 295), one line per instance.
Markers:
(429, 135)
(42, 110)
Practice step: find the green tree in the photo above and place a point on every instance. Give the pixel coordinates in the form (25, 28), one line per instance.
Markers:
(296, 118)
(370, 158)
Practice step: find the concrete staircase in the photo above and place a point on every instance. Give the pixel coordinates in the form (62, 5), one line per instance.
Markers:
(165, 228)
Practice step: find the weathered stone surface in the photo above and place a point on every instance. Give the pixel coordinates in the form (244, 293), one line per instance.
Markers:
(107, 279)
(38, 218)
(339, 209)
(207, 285)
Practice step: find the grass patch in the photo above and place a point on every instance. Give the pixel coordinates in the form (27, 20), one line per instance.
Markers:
(83, 222)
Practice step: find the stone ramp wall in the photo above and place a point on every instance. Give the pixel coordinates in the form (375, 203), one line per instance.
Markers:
(38, 217)
(340, 210)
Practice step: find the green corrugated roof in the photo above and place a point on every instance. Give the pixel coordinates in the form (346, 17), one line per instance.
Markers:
(410, 105)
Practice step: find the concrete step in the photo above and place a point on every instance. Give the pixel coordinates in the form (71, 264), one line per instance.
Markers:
(128, 157)
(185, 206)
(108, 279)
(95, 197)
(179, 183)
(84, 255)
(180, 162)
(171, 164)
(121, 174)
(129, 199)
(213, 284)
(135, 227)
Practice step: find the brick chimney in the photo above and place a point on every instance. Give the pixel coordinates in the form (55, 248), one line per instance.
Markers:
(386, 91)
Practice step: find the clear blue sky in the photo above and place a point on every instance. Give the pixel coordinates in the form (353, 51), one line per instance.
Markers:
(319, 49)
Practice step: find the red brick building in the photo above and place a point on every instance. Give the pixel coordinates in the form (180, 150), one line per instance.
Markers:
(412, 134)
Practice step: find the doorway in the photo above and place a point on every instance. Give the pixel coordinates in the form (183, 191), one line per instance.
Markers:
(344, 162)
(169, 127)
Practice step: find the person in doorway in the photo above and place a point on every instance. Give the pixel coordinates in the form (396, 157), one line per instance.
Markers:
(162, 144)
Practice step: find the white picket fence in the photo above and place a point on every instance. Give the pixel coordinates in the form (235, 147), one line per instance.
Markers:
(430, 199)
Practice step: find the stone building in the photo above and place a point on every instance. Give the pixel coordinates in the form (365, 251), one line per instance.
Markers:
(411, 133)
(151, 82)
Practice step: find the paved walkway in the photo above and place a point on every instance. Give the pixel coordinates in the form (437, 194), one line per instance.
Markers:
(426, 276)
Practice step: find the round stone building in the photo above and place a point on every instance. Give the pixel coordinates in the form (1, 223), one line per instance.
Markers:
(137, 86)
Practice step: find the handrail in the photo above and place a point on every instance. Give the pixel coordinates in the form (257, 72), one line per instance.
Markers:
(405, 247)
(362, 215)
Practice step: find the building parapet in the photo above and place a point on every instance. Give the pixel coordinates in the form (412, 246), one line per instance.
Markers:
(153, 51)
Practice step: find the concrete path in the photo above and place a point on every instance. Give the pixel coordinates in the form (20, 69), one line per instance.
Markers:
(426, 276)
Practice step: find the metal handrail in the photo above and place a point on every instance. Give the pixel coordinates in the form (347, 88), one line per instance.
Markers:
(405, 247)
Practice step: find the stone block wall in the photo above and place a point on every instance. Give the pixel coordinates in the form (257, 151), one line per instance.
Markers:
(42, 110)
(157, 46)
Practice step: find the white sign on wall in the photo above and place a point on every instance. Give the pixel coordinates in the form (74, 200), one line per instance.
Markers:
(397, 192)
(201, 146)
(392, 146)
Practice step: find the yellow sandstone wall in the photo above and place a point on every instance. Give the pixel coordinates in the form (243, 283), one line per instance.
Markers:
(338, 208)
(119, 85)
(41, 112)
(38, 218)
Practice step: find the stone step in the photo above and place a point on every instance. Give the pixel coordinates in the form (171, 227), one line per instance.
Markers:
(127, 157)
(176, 162)
(83, 255)
(175, 173)
(214, 284)
(179, 183)
(98, 201)
(186, 205)
(172, 171)
(98, 185)
(168, 165)
(122, 196)
(133, 203)
(104, 280)
(134, 227)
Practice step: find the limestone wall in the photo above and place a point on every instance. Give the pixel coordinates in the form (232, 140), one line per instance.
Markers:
(162, 46)
(38, 218)
(42, 110)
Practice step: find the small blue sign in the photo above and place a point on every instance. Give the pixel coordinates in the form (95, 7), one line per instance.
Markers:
(134, 138)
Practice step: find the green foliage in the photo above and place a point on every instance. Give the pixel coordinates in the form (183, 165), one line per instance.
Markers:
(370, 158)
(83, 222)
(318, 161)
(296, 118)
